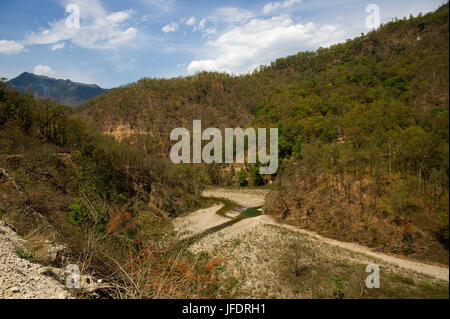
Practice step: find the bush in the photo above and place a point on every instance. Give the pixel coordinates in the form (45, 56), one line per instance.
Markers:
(400, 197)
(242, 177)
(25, 255)
(256, 178)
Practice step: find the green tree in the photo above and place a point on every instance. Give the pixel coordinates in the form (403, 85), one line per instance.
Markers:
(242, 177)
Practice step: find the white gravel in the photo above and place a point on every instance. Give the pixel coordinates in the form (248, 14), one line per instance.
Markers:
(199, 221)
(21, 279)
(243, 197)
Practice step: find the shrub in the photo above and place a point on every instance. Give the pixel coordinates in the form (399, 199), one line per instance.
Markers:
(242, 177)
(25, 255)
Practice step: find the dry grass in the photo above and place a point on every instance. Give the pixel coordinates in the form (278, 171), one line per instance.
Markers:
(152, 266)
(272, 262)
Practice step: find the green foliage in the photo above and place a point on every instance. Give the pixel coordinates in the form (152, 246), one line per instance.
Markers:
(339, 284)
(78, 215)
(242, 177)
(22, 254)
(369, 114)
(255, 177)
(297, 148)
(400, 197)
(284, 146)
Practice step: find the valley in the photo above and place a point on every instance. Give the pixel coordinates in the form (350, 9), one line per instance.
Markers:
(359, 176)
(262, 254)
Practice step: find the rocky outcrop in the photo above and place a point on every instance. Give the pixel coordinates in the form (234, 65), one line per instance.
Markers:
(20, 278)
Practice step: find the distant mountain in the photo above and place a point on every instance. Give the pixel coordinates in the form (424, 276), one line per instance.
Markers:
(63, 91)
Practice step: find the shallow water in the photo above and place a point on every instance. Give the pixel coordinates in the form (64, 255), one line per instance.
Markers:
(252, 212)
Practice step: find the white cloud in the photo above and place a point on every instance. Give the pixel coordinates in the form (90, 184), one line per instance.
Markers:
(223, 17)
(42, 69)
(202, 65)
(273, 6)
(10, 47)
(231, 15)
(172, 27)
(57, 46)
(191, 21)
(119, 16)
(210, 31)
(98, 28)
(200, 25)
(243, 48)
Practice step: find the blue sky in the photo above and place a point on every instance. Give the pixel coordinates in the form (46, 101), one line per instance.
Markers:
(119, 42)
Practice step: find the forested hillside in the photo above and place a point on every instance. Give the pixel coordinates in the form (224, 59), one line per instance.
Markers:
(363, 132)
(365, 138)
(104, 202)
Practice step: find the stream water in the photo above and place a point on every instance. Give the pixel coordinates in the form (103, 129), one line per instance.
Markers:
(245, 213)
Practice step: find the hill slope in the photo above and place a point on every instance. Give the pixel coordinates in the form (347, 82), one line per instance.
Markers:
(63, 185)
(363, 131)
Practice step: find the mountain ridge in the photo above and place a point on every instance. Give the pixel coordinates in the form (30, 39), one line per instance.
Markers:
(64, 91)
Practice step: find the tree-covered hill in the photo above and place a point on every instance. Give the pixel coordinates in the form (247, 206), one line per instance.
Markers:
(404, 64)
(106, 203)
(363, 131)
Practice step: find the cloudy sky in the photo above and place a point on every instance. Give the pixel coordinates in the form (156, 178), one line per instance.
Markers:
(118, 42)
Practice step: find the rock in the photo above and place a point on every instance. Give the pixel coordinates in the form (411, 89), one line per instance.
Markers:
(20, 278)
(48, 252)
(62, 296)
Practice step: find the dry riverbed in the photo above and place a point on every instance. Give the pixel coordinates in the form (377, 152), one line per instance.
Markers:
(271, 260)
